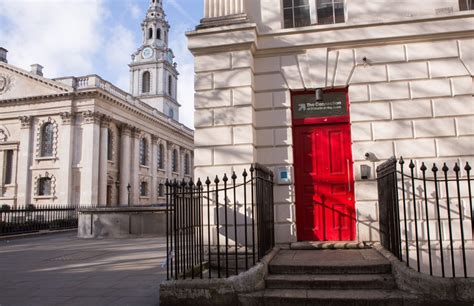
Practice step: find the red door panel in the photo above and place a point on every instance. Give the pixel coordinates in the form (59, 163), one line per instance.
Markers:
(324, 182)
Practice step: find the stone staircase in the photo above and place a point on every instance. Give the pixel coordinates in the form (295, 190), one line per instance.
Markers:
(320, 276)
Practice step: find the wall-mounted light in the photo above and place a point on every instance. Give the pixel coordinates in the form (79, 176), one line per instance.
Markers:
(319, 95)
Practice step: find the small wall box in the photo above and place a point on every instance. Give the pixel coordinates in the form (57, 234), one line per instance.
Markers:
(284, 176)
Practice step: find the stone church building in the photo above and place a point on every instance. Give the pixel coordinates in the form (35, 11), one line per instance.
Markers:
(83, 141)
(328, 90)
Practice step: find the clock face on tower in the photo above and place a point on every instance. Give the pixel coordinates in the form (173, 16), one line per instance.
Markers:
(147, 52)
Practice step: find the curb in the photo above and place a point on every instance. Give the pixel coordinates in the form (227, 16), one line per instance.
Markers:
(35, 234)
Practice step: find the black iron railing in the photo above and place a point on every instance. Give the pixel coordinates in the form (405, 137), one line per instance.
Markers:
(425, 215)
(219, 228)
(25, 219)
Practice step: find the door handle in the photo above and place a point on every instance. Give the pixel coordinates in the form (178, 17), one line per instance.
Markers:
(348, 176)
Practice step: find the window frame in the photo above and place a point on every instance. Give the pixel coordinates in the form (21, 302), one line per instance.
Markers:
(8, 170)
(110, 145)
(144, 189)
(466, 5)
(161, 157)
(187, 164)
(313, 11)
(143, 152)
(49, 151)
(41, 186)
(175, 161)
(146, 82)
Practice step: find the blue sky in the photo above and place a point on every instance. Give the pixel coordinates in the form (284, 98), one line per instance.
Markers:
(78, 37)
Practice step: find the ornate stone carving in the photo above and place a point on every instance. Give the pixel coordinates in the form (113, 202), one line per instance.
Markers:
(6, 83)
(105, 121)
(126, 129)
(91, 117)
(53, 183)
(25, 121)
(154, 139)
(3, 136)
(67, 117)
(39, 129)
(136, 132)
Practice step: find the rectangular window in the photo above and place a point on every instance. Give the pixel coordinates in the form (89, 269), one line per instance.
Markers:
(466, 5)
(330, 11)
(296, 13)
(8, 167)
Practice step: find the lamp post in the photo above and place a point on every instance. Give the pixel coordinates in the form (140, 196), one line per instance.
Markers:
(129, 188)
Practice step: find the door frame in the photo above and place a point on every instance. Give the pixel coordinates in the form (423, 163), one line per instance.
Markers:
(322, 121)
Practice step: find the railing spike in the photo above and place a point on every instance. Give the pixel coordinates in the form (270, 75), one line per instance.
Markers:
(191, 183)
(244, 174)
(234, 176)
(225, 178)
(456, 167)
(208, 181)
(434, 169)
(467, 167)
(423, 167)
(199, 183)
(216, 180)
(402, 161)
(252, 169)
(412, 164)
(445, 168)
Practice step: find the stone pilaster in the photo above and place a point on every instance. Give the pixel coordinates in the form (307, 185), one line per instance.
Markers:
(154, 168)
(66, 141)
(24, 161)
(103, 163)
(135, 166)
(90, 158)
(125, 163)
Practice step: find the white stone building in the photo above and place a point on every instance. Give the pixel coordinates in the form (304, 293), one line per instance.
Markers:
(400, 73)
(83, 141)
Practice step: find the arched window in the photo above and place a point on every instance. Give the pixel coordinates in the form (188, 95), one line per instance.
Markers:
(170, 85)
(161, 190)
(174, 164)
(146, 82)
(186, 164)
(143, 151)
(171, 112)
(158, 33)
(143, 189)
(150, 33)
(161, 157)
(44, 186)
(47, 138)
(110, 148)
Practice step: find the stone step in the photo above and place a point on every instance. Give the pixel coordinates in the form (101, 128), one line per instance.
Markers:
(351, 261)
(331, 281)
(325, 245)
(329, 269)
(277, 297)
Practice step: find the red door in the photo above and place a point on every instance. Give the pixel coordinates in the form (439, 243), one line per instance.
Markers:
(324, 182)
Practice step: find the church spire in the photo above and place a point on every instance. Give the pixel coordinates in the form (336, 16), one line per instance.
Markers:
(153, 73)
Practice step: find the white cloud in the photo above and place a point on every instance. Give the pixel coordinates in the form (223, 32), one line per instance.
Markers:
(60, 35)
(120, 43)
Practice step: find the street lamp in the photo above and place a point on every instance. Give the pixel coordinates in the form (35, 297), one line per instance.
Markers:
(129, 188)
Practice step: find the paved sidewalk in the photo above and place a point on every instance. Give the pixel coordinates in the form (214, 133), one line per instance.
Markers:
(63, 270)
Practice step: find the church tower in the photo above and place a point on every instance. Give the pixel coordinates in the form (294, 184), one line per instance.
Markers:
(153, 74)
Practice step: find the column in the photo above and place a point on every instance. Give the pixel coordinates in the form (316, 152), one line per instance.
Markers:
(90, 158)
(125, 150)
(153, 169)
(24, 161)
(103, 162)
(66, 136)
(135, 168)
(2, 171)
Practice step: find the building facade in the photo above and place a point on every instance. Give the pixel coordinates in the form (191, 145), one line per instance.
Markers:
(83, 141)
(328, 90)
